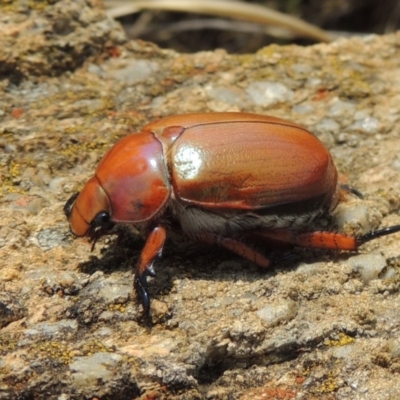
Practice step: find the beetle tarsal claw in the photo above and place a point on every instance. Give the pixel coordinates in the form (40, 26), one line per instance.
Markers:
(96, 233)
(93, 241)
(94, 237)
(140, 283)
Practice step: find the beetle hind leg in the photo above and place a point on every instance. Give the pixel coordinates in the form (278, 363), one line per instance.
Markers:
(324, 239)
(235, 246)
(327, 240)
(315, 239)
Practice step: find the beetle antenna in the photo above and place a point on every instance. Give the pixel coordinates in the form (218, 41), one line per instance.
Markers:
(379, 233)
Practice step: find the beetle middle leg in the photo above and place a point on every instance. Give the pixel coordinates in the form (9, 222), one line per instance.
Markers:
(235, 246)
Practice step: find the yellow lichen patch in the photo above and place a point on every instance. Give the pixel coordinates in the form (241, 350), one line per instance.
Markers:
(9, 180)
(7, 343)
(271, 51)
(182, 66)
(79, 148)
(94, 346)
(329, 385)
(117, 307)
(342, 341)
(353, 82)
(59, 351)
(64, 353)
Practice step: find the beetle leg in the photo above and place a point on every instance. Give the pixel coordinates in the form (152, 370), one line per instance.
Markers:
(235, 246)
(152, 250)
(379, 233)
(346, 189)
(326, 240)
(317, 239)
(323, 239)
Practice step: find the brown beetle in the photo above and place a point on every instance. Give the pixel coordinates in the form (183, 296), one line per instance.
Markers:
(222, 178)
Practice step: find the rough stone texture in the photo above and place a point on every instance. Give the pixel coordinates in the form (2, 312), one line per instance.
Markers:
(38, 39)
(326, 327)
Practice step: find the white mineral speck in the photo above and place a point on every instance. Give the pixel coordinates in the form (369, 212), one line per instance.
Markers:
(277, 312)
(303, 108)
(302, 68)
(328, 125)
(93, 369)
(367, 125)
(369, 266)
(226, 95)
(135, 71)
(341, 108)
(267, 93)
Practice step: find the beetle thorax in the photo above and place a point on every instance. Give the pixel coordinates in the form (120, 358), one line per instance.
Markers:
(134, 176)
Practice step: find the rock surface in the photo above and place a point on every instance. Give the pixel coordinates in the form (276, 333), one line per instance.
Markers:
(325, 328)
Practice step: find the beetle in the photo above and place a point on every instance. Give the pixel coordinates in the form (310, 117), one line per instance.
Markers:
(220, 178)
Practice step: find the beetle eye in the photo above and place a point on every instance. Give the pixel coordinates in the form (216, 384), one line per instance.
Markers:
(102, 220)
(68, 205)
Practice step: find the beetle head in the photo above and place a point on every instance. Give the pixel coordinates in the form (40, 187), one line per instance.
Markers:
(89, 212)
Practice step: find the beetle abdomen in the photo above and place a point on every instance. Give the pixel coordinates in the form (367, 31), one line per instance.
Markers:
(194, 220)
(251, 165)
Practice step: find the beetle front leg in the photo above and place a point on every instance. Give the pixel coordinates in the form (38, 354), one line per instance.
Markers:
(152, 250)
